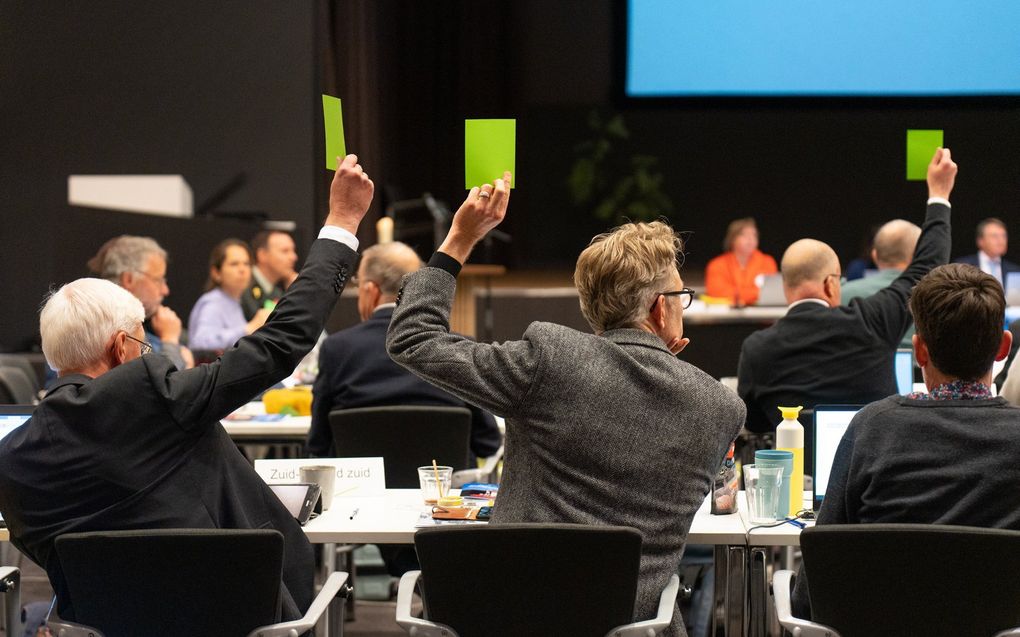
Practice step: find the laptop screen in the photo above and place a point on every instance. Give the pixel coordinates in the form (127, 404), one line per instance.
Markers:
(831, 421)
(12, 417)
(904, 366)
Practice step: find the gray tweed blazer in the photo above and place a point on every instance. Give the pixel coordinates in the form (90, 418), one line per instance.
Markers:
(609, 429)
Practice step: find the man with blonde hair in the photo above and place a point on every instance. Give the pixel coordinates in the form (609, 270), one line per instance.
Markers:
(608, 428)
(124, 440)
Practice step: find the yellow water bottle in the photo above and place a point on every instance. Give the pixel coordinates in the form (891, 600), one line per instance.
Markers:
(790, 437)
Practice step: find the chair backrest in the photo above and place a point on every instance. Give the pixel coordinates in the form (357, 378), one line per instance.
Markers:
(529, 579)
(173, 581)
(406, 436)
(25, 365)
(15, 387)
(913, 579)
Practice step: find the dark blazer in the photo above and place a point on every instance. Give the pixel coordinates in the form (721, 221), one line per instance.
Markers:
(818, 355)
(356, 371)
(141, 446)
(1007, 265)
(254, 298)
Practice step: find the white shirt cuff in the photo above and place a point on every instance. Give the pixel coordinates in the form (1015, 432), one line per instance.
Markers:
(941, 200)
(336, 233)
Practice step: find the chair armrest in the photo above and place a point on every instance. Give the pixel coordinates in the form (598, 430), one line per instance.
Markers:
(335, 586)
(1012, 632)
(10, 587)
(415, 626)
(799, 627)
(649, 627)
(485, 473)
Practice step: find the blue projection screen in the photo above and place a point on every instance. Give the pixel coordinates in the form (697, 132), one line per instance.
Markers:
(822, 48)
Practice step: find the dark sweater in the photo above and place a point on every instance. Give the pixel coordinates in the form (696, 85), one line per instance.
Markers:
(925, 461)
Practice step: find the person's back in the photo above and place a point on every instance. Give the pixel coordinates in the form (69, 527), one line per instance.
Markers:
(947, 456)
(608, 428)
(823, 352)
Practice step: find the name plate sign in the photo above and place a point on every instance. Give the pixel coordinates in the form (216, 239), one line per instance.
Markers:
(355, 477)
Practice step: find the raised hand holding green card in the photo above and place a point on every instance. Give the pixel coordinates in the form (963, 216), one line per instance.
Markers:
(490, 147)
(921, 146)
(333, 121)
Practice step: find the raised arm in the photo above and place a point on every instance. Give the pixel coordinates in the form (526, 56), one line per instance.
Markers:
(258, 361)
(494, 377)
(886, 311)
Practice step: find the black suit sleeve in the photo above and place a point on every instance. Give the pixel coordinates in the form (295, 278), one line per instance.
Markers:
(320, 435)
(207, 393)
(756, 421)
(886, 312)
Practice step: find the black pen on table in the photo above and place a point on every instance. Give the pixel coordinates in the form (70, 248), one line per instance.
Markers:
(354, 513)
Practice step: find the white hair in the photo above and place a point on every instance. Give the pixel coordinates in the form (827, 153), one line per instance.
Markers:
(77, 321)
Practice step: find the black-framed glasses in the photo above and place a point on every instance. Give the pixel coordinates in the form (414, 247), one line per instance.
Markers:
(144, 346)
(688, 292)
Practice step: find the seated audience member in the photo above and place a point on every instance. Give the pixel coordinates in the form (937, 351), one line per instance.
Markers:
(948, 456)
(217, 321)
(139, 265)
(858, 266)
(822, 352)
(736, 274)
(356, 371)
(125, 441)
(272, 272)
(992, 243)
(892, 250)
(605, 428)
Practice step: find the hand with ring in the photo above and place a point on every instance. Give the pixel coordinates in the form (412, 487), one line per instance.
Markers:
(483, 210)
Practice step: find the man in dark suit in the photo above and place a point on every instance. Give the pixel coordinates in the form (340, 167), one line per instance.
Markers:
(356, 371)
(992, 242)
(822, 352)
(126, 441)
(272, 271)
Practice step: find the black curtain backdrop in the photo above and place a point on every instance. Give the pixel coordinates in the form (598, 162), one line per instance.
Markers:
(111, 87)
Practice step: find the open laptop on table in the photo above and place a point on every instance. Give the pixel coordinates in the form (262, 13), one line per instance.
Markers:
(830, 423)
(12, 417)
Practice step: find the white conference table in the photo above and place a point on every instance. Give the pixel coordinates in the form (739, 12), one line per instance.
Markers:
(289, 428)
(391, 519)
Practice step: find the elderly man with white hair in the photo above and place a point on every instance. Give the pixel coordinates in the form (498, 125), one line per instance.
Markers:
(139, 265)
(126, 441)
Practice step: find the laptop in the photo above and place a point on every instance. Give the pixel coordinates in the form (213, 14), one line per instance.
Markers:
(903, 365)
(771, 294)
(12, 417)
(830, 423)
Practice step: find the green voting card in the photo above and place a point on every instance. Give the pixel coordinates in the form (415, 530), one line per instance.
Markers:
(489, 149)
(921, 146)
(333, 120)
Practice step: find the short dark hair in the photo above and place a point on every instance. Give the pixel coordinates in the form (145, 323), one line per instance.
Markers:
(959, 311)
(261, 240)
(984, 223)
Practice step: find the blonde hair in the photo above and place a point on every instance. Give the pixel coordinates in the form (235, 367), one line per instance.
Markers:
(620, 272)
(78, 320)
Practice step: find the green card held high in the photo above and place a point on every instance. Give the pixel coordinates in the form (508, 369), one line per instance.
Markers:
(921, 146)
(333, 120)
(490, 147)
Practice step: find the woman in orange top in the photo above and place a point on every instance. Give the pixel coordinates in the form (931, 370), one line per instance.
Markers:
(736, 274)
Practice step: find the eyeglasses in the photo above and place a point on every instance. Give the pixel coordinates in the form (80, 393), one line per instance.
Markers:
(145, 347)
(688, 292)
(158, 280)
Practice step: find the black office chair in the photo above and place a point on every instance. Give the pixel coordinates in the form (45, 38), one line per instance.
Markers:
(16, 388)
(906, 579)
(529, 579)
(184, 582)
(19, 361)
(406, 436)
